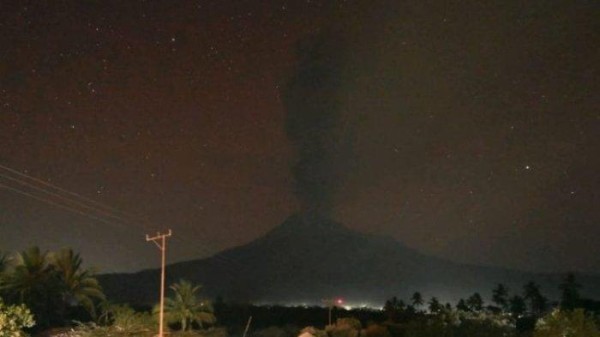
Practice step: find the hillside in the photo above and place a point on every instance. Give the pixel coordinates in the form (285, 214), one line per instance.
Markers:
(307, 259)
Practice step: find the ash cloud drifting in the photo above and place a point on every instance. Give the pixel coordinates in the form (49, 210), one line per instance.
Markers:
(314, 122)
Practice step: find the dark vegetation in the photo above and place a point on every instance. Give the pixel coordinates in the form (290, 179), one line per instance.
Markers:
(53, 285)
(56, 291)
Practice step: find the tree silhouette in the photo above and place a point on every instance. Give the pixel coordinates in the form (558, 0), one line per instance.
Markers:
(186, 308)
(50, 283)
(3, 267)
(79, 287)
(462, 305)
(500, 297)
(3, 262)
(393, 307)
(570, 298)
(537, 302)
(448, 307)
(475, 302)
(417, 299)
(33, 282)
(434, 305)
(517, 306)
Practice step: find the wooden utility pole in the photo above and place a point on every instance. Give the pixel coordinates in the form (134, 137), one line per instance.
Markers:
(330, 304)
(163, 248)
(247, 326)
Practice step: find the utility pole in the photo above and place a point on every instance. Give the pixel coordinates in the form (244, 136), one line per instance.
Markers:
(163, 248)
(247, 326)
(330, 304)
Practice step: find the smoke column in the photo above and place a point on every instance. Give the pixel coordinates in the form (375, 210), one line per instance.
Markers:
(313, 125)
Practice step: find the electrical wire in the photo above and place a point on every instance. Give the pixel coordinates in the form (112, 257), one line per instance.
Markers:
(40, 181)
(68, 200)
(106, 211)
(50, 202)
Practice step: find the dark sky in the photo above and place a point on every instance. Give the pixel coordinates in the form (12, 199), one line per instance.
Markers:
(474, 125)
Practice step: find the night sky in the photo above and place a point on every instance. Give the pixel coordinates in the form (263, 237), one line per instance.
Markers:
(471, 128)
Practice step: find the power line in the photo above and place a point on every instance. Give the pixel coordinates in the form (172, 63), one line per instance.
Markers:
(67, 199)
(83, 201)
(63, 190)
(48, 201)
(231, 265)
(89, 215)
(105, 210)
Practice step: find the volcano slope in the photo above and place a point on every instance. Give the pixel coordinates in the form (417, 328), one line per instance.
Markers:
(307, 259)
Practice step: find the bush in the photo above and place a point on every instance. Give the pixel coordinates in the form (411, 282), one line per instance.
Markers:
(376, 330)
(13, 319)
(344, 327)
(567, 324)
(349, 322)
(121, 317)
(312, 331)
(119, 321)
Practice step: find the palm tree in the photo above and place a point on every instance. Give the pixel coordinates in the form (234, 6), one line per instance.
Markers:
(570, 297)
(186, 308)
(537, 302)
(31, 273)
(475, 302)
(462, 305)
(417, 299)
(3, 266)
(500, 296)
(517, 306)
(434, 305)
(79, 287)
(393, 308)
(4, 258)
(33, 282)
(3, 262)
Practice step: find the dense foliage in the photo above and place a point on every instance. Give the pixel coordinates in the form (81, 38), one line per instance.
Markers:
(567, 323)
(522, 313)
(186, 308)
(54, 289)
(13, 319)
(53, 285)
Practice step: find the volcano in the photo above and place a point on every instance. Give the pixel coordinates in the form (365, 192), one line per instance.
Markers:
(309, 258)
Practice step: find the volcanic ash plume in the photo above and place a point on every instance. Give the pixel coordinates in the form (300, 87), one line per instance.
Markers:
(314, 126)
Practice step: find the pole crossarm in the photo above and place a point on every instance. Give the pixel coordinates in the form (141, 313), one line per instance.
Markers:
(159, 236)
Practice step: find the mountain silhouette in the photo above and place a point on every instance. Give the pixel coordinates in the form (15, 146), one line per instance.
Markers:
(310, 258)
